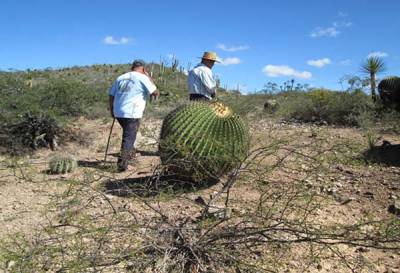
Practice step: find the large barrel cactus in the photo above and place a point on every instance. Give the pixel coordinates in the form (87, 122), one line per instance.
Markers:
(203, 140)
(389, 90)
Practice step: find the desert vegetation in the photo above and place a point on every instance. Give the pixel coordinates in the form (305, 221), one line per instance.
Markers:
(315, 189)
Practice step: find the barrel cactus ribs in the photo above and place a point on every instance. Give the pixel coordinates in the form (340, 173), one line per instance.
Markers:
(203, 140)
(61, 164)
(389, 90)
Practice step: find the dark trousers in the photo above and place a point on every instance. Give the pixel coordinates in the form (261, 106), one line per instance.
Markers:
(198, 97)
(130, 127)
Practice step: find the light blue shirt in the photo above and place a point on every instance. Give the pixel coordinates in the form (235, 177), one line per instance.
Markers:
(201, 81)
(131, 91)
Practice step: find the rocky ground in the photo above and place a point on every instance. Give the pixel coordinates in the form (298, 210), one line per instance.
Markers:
(336, 164)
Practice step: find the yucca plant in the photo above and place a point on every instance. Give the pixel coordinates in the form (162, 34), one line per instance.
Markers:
(372, 67)
(60, 164)
(203, 140)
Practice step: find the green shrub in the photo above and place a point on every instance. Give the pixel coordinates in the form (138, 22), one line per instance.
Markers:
(29, 133)
(322, 105)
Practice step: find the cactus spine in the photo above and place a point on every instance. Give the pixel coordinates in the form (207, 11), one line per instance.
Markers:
(203, 140)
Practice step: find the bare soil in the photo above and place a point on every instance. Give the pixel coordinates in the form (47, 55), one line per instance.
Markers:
(352, 187)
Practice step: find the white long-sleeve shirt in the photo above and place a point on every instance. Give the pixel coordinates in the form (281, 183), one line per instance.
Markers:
(201, 81)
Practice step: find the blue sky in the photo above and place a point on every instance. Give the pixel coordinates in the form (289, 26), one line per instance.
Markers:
(313, 41)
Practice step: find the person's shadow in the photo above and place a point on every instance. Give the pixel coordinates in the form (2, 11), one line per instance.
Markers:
(153, 185)
(110, 166)
(387, 154)
(148, 153)
(99, 165)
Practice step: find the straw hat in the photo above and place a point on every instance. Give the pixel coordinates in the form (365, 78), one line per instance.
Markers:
(210, 55)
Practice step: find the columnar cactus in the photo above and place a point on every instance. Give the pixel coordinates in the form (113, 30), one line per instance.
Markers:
(62, 164)
(203, 140)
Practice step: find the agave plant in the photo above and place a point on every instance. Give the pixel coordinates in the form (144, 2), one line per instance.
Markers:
(373, 66)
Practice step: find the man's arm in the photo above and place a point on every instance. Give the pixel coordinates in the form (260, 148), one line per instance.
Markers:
(155, 94)
(209, 83)
(111, 105)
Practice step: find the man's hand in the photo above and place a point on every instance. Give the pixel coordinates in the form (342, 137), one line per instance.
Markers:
(154, 96)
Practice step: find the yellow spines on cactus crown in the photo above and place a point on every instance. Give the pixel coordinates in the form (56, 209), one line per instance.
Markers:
(221, 110)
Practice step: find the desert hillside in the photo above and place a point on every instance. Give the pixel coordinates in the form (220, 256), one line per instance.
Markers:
(317, 192)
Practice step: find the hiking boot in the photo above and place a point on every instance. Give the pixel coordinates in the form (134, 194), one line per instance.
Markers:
(122, 165)
(125, 159)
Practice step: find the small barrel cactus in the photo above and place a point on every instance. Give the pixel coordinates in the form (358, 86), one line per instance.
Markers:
(62, 164)
(203, 140)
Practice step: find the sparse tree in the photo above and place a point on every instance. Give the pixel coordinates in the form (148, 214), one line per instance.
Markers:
(372, 67)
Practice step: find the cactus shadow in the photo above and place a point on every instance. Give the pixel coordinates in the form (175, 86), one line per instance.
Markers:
(148, 153)
(386, 154)
(155, 185)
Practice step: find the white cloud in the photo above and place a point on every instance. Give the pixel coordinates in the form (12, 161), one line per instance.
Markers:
(378, 54)
(342, 14)
(347, 24)
(232, 48)
(319, 63)
(328, 32)
(345, 62)
(110, 40)
(342, 24)
(230, 61)
(284, 70)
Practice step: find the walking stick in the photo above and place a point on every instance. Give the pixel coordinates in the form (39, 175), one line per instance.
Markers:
(108, 142)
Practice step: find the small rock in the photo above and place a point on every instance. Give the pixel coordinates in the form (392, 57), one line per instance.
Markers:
(338, 185)
(394, 208)
(369, 194)
(199, 200)
(10, 264)
(393, 197)
(391, 270)
(346, 201)
(362, 249)
(331, 191)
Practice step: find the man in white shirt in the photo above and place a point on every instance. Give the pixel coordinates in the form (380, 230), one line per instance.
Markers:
(127, 98)
(202, 85)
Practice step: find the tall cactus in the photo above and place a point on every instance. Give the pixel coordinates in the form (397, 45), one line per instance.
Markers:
(203, 140)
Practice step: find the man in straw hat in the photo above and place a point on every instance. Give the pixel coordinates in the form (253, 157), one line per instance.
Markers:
(128, 97)
(202, 85)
